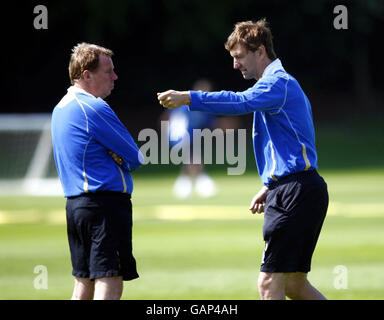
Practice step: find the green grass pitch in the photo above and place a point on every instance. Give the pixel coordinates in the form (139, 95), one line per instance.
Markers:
(201, 248)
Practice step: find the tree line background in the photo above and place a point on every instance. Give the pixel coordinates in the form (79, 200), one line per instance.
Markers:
(166, 44)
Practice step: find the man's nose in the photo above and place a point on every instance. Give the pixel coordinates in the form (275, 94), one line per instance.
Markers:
(114, 76)
(236, 64)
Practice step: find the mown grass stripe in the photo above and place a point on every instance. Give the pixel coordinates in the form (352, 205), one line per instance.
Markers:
(192, 212)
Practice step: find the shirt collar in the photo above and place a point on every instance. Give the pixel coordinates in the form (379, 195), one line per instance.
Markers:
(74, 89)
(274, 66)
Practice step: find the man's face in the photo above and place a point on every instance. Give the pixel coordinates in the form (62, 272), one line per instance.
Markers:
(246, 61)
(103, 78)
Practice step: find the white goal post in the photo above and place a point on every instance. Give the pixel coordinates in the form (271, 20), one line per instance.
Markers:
(26, 159)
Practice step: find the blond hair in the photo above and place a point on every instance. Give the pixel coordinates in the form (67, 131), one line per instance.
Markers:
(252, 35)
(85, 56)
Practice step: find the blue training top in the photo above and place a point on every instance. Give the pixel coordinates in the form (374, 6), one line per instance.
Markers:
(283, 132)
(84, 129)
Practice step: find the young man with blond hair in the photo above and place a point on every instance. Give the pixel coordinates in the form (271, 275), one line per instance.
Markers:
(94, 155)
(294, 197)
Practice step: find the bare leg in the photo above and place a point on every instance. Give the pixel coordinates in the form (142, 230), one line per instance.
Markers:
(108, 288)
(299, 288)
(84, 289)
(271, 286)
(193, 170)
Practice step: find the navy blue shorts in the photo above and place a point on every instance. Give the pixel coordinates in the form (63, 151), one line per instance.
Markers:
(99, 227)
(294, 213)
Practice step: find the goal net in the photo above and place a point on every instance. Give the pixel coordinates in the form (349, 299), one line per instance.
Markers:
(27, 166)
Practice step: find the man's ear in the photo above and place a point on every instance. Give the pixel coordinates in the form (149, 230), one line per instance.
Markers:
(262, 51)
(87, 75)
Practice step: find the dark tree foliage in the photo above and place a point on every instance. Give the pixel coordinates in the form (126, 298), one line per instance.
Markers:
(170, 43)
